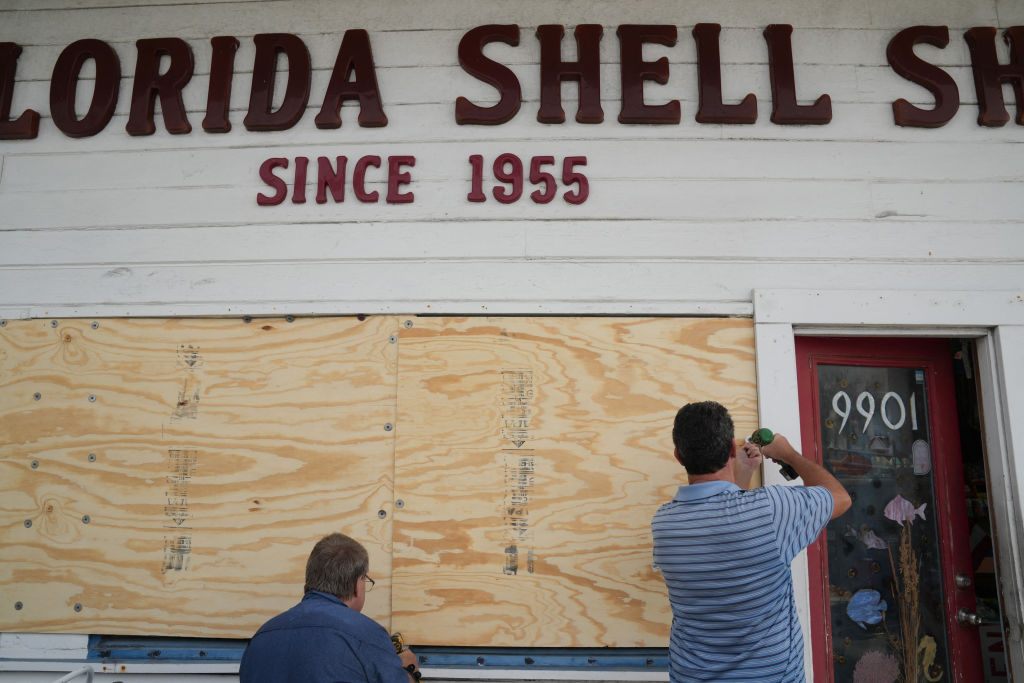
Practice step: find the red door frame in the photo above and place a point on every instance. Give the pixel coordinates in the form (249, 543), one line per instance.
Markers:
(934, 356)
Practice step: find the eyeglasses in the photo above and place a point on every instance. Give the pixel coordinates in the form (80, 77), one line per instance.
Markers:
(370, 583)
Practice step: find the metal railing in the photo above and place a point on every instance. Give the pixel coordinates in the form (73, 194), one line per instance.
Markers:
(87, 670)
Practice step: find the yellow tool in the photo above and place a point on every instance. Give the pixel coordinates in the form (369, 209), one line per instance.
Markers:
(399, 642)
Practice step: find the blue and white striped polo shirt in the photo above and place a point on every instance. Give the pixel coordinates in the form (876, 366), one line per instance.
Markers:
(725, 555)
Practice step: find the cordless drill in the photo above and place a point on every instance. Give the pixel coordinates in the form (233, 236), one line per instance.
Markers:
(399, 642)
(763, 437)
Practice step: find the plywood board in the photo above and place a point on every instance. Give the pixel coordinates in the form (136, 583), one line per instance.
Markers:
(530, 457)
(169, 477)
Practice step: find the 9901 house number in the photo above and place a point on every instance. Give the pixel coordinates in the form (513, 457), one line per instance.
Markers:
(508, 169)
(841, 404)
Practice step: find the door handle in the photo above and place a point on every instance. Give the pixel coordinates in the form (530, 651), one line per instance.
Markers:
(966, 617)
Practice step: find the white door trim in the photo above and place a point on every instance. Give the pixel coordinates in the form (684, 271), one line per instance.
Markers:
(995, 319)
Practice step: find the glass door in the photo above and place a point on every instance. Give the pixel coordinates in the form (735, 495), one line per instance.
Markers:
(895, 572)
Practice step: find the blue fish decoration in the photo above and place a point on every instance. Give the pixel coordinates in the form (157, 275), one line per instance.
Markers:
(866, 607)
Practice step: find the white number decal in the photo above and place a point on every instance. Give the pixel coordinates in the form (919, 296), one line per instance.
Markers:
(841, 404)
(903, 410)
(868, 414)
(845, 412)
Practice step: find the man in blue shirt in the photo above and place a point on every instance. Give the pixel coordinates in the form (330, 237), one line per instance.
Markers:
(324, 638)
(725, 552)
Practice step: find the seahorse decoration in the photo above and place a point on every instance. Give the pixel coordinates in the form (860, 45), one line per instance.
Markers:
(929, 648)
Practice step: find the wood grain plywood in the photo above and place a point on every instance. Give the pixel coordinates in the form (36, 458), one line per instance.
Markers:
(530, 457)
(169, 477)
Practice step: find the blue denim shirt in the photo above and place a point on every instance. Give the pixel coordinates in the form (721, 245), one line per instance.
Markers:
(321, 640)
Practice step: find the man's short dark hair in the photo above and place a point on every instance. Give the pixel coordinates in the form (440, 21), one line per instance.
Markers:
(703, 435)
(335, 566)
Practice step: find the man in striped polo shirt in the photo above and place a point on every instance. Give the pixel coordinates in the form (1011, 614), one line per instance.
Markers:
(725, 552)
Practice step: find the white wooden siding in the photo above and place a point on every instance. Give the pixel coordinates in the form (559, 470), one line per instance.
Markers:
(680, 218)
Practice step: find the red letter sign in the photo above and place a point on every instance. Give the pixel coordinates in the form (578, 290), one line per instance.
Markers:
(26, 126)
(471, 57)
(942, 86)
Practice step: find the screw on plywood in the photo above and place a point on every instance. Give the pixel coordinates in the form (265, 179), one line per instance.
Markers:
(86, 519)
(28, 523)
(18, 605)
(388, 427)
(399, 503)
(37, 396)
(92, 457)
(54, 323)
(382, 513)
(393, 339)
(247, 319)
(3, 323)
(407, 324)
(289, 318)
(35, 464)
(92, 398)
(78, 607)
(95, 325)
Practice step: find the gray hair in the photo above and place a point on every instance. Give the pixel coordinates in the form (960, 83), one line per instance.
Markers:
(335, 566)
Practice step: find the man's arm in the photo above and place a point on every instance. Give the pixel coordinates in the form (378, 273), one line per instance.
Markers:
(748, 459)
(811, 472)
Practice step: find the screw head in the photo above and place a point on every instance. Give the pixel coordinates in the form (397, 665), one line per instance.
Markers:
(382, 513)
(35, 464)
(289, 318)
(393, 339)
(399, 503)
(28, 523)
(92, 457)
(95, 325)
(247, 319)
(92, 398)
(3, 323)
(37, 396)
(86, 519)
(18, 605)
(388, 427)
(54, 323)
(78, 607)
(407, 324)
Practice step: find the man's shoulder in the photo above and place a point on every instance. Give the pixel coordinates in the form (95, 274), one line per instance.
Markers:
(316, 611)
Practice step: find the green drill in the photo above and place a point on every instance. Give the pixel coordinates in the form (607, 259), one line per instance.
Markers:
(763, 437)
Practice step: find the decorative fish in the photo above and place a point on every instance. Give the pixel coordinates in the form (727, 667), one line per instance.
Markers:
(902, 510)
(866, 607)
(876, 667)
(866, 536)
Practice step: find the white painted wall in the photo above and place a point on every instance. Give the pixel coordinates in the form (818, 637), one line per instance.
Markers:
(681, 219)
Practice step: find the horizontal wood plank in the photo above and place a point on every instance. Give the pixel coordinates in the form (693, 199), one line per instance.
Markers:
(468, 286)
(880, 240)
(108, 21)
